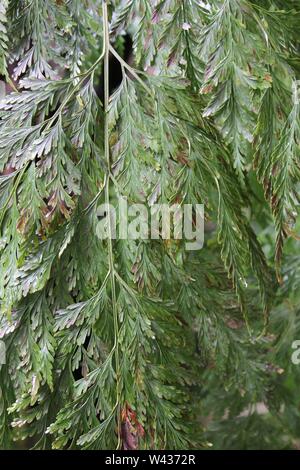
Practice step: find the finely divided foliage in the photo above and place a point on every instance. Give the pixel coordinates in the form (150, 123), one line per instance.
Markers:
(122, 344)
(3, 36)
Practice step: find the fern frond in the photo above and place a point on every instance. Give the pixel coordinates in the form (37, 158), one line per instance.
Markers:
(3, 37)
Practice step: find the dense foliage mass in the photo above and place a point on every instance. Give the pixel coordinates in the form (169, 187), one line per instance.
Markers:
(142, 344)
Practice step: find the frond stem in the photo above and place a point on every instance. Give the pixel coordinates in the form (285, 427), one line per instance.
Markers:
(107, 198)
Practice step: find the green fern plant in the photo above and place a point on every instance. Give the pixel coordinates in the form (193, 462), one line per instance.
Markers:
(128, 344)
